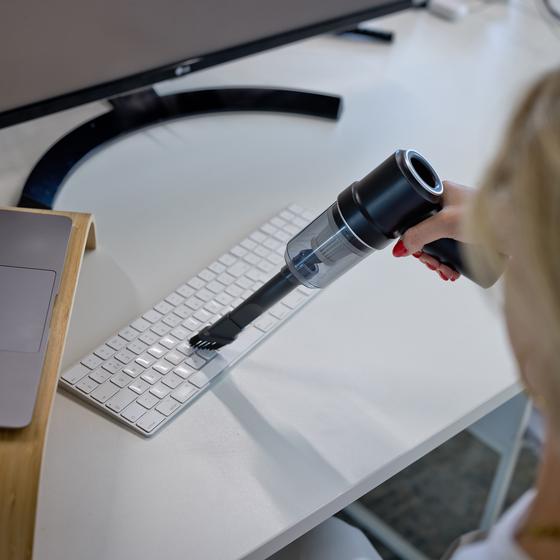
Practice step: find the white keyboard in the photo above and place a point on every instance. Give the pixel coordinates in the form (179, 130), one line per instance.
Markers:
(146, 373)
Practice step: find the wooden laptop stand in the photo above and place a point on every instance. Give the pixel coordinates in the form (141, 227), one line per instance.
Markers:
(21, 451)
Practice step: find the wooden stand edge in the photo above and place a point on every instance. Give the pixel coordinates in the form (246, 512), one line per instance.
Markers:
(21, 451)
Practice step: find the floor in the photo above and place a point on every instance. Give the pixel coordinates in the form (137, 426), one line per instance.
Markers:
(441, 496)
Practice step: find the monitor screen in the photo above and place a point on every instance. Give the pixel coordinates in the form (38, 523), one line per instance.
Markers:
(61, 53)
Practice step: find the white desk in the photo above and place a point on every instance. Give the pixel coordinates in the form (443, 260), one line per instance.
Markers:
(385, 365)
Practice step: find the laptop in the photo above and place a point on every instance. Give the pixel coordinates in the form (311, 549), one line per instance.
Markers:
(32, 253)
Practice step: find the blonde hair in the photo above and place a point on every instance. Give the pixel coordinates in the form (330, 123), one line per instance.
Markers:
(525, 178)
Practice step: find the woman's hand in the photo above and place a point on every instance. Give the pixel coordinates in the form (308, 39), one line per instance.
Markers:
(446, 223)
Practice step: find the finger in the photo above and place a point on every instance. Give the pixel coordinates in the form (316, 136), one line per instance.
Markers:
(455, 193)
(429, 261)
(442, 224)
(448, 272)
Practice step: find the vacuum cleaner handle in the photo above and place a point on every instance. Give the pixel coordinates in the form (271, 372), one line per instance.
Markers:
(451, 253)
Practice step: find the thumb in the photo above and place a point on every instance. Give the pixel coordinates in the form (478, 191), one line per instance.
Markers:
(442, 224)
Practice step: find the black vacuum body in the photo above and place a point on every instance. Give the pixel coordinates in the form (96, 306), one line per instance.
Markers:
(401, 192)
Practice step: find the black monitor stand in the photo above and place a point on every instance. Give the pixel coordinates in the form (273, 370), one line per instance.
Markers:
(145, 108)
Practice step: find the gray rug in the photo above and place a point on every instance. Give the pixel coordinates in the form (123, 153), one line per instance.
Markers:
(442, 496)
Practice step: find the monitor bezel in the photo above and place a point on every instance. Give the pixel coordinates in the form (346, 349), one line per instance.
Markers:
(184, 67)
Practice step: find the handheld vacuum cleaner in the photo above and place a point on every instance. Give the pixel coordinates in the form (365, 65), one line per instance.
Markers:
(398, 194)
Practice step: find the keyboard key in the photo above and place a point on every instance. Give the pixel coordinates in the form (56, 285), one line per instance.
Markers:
(279, 310)
(140, 325)
(168, 342)
(172, 320)
(163, 307)
(235, 290)
(207, 354)
(172, 380)
(271, 244)
(225, 279)
(217, 268)
(162, 367)
(150, 421)
(249, 244)
(215, 287)
(160, 390)
(194, 303)
(121, 379)
(157, 351)
(139, 386)
(121, 400)
(152, 316)
(191, 324)
(195, 361)
(204, 294)
(268, 229)
(112, 365)
(207, 275)
(74, 374)
(282, 236)
(87, 385)
(134, 370)
(265, 322)
(151, 376)
(117, 343)
(184, 392)
(100, 375)
(258, 236)
(278, 222)
(226, 259)
(187, 291)
(168, 406)
(180, 332)
(183, 371)
(174, 357)
(185, 348)
(175, 299)
(238, 251)
(244, 283)
(124, 356)
(148, 338)
(92, 361)
(294, 299)
(128, 334)
(224, 299)
(196, 283)
(262, 251)
(147, 400)
(213, 307)
(137, 346)
(203, 316)
(238, 269)
(133, 412)
(276, 259)
(145, 360)
(267, 266)
(183, 311)
(292, 230)
(254, 274)
(287, 215)
(104, 352)
(160, 328)
(252, 259)
(104, 391)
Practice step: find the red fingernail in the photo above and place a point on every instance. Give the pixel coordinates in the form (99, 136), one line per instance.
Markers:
(399, 250)
(443, 277)
(418, 254)
(430, 266)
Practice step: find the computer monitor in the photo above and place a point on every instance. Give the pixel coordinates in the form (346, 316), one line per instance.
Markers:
(55, 55)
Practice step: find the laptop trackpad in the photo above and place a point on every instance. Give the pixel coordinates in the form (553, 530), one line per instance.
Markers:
(25, 297)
